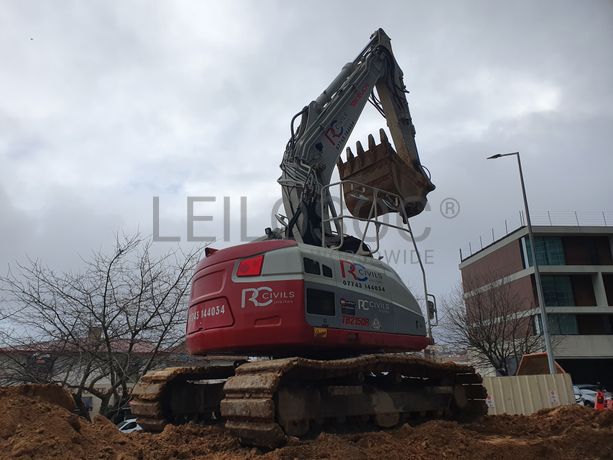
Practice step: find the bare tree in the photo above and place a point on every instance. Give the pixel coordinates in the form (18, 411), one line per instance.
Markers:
(492, 322)
(99, 329)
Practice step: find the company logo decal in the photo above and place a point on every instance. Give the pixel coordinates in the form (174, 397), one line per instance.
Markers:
(334, 133)
(337, 131)
(357, 275)
(264, 296)
(373, 305)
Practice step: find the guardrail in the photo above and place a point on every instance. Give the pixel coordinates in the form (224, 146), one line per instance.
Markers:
(539, 219)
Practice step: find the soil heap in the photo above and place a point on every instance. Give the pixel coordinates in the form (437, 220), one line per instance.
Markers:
(37, 422)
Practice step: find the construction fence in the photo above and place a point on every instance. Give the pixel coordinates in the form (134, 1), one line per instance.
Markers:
(527, 394)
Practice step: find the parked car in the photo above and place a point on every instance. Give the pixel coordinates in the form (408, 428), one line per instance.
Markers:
(129, 426)
(577, 393)
(587, 394)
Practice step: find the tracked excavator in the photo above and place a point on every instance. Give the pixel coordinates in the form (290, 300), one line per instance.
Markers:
(328, 326)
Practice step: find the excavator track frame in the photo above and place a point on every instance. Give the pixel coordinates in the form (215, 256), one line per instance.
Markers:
(268, 401)
(177, 395)
(265, 402)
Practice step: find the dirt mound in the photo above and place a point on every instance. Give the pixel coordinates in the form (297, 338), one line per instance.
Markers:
(35, 422)
(192, 441)
(563, 433)
(49, 393)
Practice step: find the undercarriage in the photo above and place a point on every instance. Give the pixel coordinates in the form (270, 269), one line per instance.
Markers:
(265, 402)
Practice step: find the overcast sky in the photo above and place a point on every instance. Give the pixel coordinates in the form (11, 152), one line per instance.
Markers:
(104, 105)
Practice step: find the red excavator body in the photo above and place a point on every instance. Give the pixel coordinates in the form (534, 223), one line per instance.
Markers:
(282, 298)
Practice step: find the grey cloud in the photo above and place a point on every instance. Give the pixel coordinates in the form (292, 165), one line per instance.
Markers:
(112, 103)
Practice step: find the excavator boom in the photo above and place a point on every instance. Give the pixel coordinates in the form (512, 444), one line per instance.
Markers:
(325, 125)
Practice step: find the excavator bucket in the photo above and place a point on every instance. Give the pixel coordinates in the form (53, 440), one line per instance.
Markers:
(399, 184)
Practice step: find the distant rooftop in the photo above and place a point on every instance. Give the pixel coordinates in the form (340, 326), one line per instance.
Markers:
(65, 346)
(539, 219)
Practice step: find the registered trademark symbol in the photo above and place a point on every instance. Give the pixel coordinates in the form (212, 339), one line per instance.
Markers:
(450, 208)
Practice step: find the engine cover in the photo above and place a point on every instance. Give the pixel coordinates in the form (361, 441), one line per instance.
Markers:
(280, 298)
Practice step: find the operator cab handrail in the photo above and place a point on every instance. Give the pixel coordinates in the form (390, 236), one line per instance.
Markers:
(369, 194)
(328, 209)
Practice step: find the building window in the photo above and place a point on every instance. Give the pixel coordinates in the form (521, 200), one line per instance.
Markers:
(607, 278)
(549, 250)
(538, 325)
(557, 291)
(563, 324)
(558, 324)
(566, 324)
(595, 324)
(583, 290)
(584, 250)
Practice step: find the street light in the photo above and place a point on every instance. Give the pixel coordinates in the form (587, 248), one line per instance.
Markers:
(537, 274)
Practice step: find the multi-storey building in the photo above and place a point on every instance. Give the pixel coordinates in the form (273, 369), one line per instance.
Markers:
(576, 266)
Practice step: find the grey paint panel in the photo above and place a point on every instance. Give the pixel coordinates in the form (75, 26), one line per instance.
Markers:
(360, 311)
(368, 294)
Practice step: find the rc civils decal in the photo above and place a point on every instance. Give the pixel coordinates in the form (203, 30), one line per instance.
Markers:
(358, 276)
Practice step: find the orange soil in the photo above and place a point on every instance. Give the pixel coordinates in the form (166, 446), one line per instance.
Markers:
(36, 423)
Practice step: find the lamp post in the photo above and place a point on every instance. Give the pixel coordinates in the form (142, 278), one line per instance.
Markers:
(537, 274)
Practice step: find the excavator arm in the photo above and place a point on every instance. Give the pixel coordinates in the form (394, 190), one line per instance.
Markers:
(325, 125)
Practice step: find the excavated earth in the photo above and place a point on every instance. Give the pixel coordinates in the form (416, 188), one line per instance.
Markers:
(36, 422)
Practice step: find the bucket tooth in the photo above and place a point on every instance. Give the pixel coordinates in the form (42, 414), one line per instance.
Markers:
(371, 142)
(358, 148)
(383, 136)
(382, 168)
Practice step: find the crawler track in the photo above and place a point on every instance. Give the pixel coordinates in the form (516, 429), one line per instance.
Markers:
(178, 394)
(267, 401)
(264, 402)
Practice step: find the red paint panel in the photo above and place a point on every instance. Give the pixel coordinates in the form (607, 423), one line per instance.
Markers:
(207, 285)
(299, 339)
